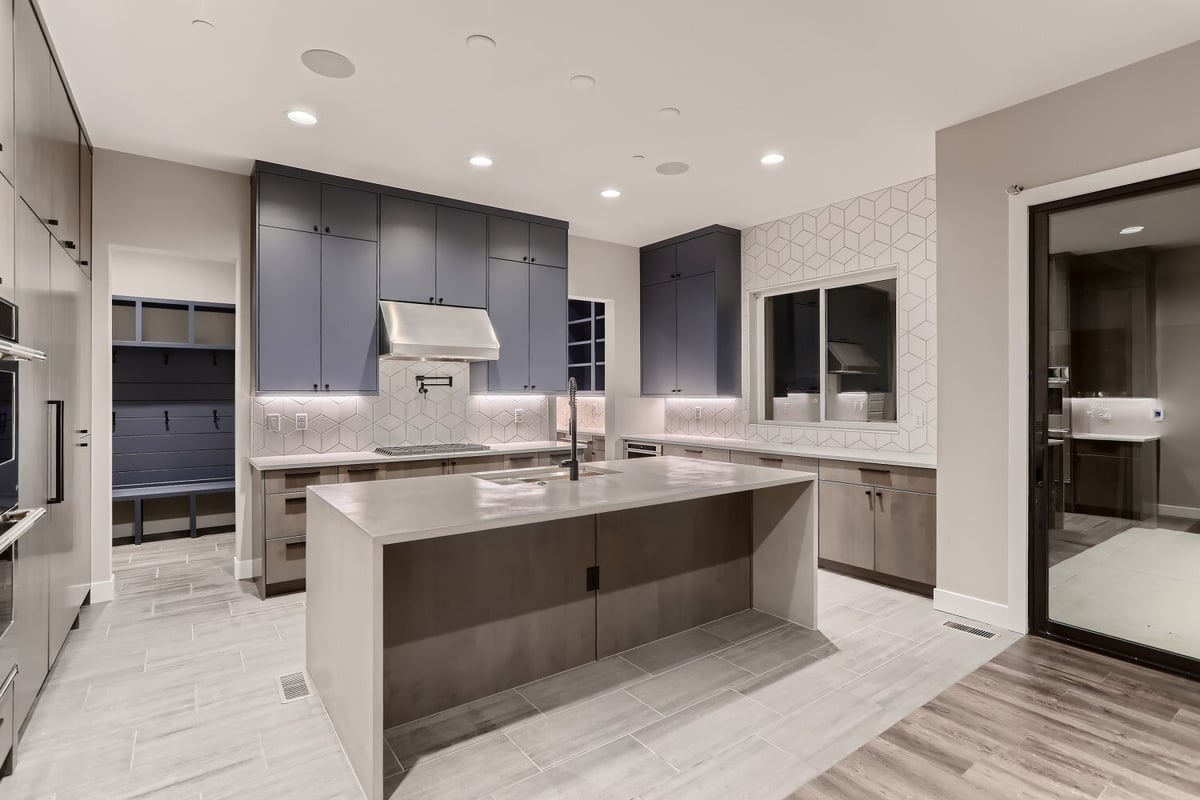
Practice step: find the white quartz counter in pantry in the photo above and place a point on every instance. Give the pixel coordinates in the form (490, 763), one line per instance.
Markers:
(303, 460)
(927, 461)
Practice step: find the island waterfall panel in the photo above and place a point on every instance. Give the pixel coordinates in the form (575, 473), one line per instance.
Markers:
(468, 616)
(667, 568)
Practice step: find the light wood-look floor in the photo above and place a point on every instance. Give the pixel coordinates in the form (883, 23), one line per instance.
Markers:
(169, 691)
(1042, 720)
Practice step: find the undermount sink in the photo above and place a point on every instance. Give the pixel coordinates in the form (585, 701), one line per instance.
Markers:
(540, 475)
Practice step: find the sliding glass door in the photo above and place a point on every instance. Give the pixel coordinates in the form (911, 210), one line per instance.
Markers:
(1115, 421)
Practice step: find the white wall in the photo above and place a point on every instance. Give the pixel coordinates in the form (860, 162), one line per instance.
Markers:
(1136, 113)
(146, 212)
(612, 273)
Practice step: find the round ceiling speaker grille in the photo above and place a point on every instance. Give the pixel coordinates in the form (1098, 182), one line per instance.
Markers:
(672, 168)
(328, 63)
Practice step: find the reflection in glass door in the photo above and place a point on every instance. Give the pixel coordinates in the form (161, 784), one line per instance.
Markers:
(1115, 421)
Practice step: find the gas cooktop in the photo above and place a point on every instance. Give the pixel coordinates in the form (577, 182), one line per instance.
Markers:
(430, 449)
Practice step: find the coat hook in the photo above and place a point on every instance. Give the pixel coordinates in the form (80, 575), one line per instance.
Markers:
(166, 357)
(167, 419)
(216, 420)
(114, 421)
(214, 358)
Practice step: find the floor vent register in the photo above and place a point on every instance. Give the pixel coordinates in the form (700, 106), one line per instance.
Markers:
(958, 626)
(293, 686)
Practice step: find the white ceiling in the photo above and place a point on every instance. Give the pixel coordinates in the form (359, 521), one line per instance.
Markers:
(1171, 219)
(850, 90)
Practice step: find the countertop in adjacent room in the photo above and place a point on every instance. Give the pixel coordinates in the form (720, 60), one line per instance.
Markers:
(898, 459)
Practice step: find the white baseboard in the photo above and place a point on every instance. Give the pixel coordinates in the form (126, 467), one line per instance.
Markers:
(244, 570)
(103, 591)
(961, 605)
(1186, 512)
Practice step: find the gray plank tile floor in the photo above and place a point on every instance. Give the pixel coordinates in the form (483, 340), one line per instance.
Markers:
(169, 692)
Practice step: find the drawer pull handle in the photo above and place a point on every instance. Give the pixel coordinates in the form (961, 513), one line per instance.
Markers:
(363, 469)
(876, 470)
(689, 450)
(290, 500)
(304, 474)
(772, 460)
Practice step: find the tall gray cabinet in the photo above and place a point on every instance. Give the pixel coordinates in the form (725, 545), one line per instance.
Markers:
(45, 252)
(691, 315)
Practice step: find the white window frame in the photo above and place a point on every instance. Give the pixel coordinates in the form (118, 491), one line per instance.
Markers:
(757, 307)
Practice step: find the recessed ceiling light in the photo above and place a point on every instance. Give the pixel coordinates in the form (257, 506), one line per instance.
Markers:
(480, 161)
(611, 193)
(672, 168)
(1132, 229)
(301, 117)
(668, 112)
(478, 41)
(202, 25)
(772, 158)
(582, 81)
(327, 63)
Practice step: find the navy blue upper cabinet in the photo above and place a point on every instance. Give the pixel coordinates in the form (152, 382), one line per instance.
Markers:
(691, 315)
(291, 203)
(349, 212)
(461, 257)
(408, 250)
(288, 312)
(349, 316)
(547, 329)
(518, 240)
(547, 245)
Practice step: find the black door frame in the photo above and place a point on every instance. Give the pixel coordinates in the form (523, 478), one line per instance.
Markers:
(1039, 468)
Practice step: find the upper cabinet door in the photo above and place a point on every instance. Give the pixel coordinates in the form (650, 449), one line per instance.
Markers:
(289, 310)
(658, 265)
(547, 245)
(696, 334)
(64, 167)
(547, 328)
(508, 306)
(697, 256)
(349, 212)
(508, 238)
(7, 144)
(408, 250)
(658, 339)
(461, 258)
(33, 114)
(290, 203)
(349, 316)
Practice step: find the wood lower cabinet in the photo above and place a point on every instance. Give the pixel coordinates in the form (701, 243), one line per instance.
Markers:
(871, 527)
(692, 451)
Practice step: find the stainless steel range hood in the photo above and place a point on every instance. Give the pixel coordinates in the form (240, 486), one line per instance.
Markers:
(421, 332)
(850, 358)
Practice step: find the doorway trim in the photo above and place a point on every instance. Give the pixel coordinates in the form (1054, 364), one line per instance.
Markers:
(1019, 251)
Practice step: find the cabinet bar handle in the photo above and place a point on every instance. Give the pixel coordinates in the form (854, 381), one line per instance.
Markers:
(870, 498)
(771, 459)
(304, 474)
(875, 469)
(373, 468)
(689, 450)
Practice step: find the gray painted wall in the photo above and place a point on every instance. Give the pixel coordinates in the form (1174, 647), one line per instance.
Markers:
(1177, 275)
(1136, 113)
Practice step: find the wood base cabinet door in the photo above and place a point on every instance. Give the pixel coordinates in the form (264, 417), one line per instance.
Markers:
(847, 524)
(906, 535)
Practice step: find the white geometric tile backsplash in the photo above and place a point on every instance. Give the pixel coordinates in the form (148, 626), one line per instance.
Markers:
(891, 227)
(399, 415)
(589, 413)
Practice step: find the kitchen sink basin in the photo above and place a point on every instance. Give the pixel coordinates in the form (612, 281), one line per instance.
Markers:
(540, 475)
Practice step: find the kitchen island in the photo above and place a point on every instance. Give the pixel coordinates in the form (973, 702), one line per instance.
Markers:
(427, 593)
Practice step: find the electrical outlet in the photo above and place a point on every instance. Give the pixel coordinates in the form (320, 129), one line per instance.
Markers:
(699, 412)
(920, 420)
(302, 422)
(272, 422)
(519, 415)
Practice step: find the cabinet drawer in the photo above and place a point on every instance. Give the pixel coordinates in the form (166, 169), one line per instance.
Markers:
(355, 473)
(909, 479)
(691, 451)
(525, 460)
(464, 466)
(284, 560)
(768, 460)
(416, 469)
(291, 480)
(287, 515)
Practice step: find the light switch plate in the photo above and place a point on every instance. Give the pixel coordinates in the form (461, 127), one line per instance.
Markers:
(272, 422)
(302, 422)
(699, 412)
(519, 415)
